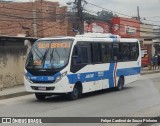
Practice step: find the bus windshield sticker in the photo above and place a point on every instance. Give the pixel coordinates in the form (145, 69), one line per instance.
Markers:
(47, 64)
(42, 45)
(61, 61)
(37, 62)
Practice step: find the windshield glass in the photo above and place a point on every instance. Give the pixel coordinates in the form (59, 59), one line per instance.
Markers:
(49, 54)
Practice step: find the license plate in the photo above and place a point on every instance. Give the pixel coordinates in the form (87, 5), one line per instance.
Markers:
(42, 88)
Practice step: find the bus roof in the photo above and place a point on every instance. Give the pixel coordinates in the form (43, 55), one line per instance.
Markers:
(94, 36)
(98, 35)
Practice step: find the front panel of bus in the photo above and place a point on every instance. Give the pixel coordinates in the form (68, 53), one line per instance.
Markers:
(46, 66)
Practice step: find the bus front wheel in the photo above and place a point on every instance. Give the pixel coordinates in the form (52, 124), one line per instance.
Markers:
(120, 84)
(40, 96)
(76, 93)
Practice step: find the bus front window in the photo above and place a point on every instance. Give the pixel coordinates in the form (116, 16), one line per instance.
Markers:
(52, 54)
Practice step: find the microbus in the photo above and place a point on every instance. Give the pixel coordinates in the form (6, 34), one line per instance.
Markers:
(81, 64)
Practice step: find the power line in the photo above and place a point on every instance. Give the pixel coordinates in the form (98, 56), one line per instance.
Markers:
(51, 12)
(152, 17)
(108, 9)
(31, 26)
(28, 18)
(117, 12)
(51, 20)
(33, 4)
(133, 21)
(18, 26)
(128, 21)
(49, 27)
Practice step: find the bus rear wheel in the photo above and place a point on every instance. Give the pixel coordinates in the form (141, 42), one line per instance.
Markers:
(40, 96)
(76, 93)
(120, 84)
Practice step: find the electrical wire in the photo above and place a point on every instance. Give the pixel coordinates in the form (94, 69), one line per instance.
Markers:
(120, 13)
(123, 19)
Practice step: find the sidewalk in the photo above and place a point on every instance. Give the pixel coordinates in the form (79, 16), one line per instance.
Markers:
(13, 92)
(20, 90)
(145, 70)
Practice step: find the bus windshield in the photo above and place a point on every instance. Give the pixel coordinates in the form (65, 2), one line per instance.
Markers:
(52, 54)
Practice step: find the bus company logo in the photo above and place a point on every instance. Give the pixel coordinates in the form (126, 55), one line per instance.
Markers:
(78, 76)
(100, 73)
(89, 76)
(6, 120)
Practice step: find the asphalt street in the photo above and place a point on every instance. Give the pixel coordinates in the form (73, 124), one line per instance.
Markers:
(139, 98)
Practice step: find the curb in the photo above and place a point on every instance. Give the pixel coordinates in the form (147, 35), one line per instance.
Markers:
(152, 72)
(14, 95)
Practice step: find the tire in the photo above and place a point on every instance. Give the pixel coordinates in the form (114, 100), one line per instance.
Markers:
(76, 93)
(40, 97)
(120, 84)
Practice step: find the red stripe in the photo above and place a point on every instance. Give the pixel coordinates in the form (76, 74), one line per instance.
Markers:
(115, 69)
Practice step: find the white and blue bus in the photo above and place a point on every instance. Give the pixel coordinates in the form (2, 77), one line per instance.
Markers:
(81, 64)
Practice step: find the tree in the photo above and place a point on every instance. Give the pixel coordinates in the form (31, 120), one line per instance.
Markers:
(105, 15)
(100, 16)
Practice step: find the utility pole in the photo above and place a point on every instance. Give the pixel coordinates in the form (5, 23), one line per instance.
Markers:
(80, 16)
(138, 13)
(34, 23)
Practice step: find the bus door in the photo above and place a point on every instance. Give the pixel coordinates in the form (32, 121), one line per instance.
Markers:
(82, 67)
(113, 65)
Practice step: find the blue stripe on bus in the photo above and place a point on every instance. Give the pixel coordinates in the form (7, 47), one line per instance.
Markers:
(111, 78)
(128, 71)
(95, 76)
(90, 76)
(42, 78)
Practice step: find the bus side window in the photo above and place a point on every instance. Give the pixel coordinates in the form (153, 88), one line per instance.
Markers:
(96, 53)
(106, 52)
(126, 52)
(80, 55)
(115, 51)
(120, 58)
(75, 56)
(134, 51)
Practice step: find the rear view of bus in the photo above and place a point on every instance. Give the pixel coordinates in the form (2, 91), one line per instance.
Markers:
(81, 64)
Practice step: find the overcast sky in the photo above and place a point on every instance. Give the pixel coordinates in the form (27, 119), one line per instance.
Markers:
(149, 9)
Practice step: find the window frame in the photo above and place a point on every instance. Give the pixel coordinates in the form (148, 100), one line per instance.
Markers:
(111, 52)
(78, 45)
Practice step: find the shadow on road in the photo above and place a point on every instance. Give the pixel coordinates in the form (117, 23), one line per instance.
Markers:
(63, 98)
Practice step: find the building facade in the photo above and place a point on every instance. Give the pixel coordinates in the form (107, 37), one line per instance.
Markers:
(125, 27)
(35, 19)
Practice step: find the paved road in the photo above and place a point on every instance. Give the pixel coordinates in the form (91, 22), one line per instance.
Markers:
(134, 100)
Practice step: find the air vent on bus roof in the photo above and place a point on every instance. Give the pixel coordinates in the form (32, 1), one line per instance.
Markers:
(98, 35)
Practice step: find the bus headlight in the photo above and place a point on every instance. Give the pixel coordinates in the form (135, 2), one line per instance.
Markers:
(27, 78)
(61, 76)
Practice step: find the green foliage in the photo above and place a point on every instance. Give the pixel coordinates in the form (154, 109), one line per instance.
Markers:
(101, 16)
(105, 15)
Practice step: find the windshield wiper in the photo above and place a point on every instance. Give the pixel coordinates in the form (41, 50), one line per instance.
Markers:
(44, 57)
(51, 55)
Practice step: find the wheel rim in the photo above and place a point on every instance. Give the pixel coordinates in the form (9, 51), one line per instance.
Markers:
(75, 92)
(121, 83)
